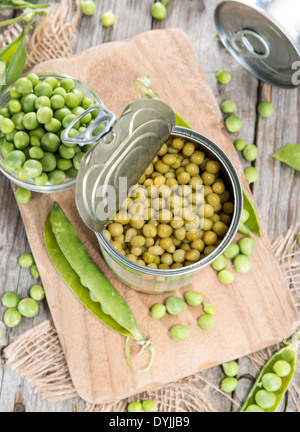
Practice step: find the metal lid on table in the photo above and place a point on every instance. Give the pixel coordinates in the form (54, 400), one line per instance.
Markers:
(118, 161)
(264, 37)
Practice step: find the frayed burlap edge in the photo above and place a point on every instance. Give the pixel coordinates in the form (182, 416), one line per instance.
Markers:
(38, 356)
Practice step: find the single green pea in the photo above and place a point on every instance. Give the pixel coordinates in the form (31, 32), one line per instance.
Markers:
(88, 7)
(87, 103)
(228, 107)
(21, 174)
(250, 152)
(68, 119)
(72, 173)
(59, 91)
(232, 251)
(219, 263)
(52, 81)
(64, 164)
(233, 124)
(33, 168)
(282, 368)
(37, 292)
(39, 132)
(53, 125)
(149, 406)
(50, 142)
(30, 121)
(254, 408)
(179, 332)
(48, 162)
(193, 298)
(251, 175)
(242, 264)
(231, 369)
(35, 142)
(209, 309)
(245, 216)
(174, 305)
(17, 120)
(78, 159)
(10, 299)
(9, 137)
(4, 112)
(7, 148)
(158, 311)
(56, 177)
(34, 272)
(71, 100)
(41, 180)
(247, 246)
(57, 102)
(79, 94)
(28, 307)
(36, 153)
(226, 277)
(23, 86)
(23, 196)
(28, 103)
(223, 76)
(14, 106)
(43, 89)
(44, 115)
(21, 140)
(271, 382)
(12, 318)
(158, 11)
(42, 102)
(14, 160)
(14, 94)
(135, 407)
(265, 109)
(33, 78)
(229, 384)
(240, 144)
(206, 322)
(108, 18)
(265, 399)
(26, 260)
(66, 152)
(7, 125)
(68, 84)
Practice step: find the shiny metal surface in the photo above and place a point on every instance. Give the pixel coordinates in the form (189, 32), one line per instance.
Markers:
(119, 159)
(153, 281)
(264, 37)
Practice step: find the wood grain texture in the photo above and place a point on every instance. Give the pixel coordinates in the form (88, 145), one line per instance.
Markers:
(277, 191)
(251, 302)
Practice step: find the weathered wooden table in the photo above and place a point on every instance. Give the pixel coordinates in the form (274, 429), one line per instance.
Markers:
(277, 191)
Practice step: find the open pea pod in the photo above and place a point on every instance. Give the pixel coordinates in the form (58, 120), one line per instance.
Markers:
(288, 354)
(72, 280)
(289, 155)
(251, 223)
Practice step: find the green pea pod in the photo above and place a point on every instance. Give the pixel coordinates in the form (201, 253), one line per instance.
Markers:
(17, 63)
(72, 280)
(289, 354)
(289, 155)
(111, 301)
(181, 122)
(7, 52)
(252, 222)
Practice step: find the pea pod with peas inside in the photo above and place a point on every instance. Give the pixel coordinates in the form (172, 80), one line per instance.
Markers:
(274, 379)
(75, 266)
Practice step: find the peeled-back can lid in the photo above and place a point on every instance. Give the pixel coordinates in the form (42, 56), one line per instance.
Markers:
(264, 37)
(118, 161)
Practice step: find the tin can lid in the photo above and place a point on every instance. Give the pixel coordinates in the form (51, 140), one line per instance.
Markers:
(119, 159)
(259, 41)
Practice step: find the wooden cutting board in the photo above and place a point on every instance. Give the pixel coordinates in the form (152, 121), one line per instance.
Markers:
(254, 312)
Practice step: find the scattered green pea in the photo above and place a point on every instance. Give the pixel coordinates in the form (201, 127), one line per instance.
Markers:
(149, 406)
(10, 299)
(242, 264)
(226, 277)
(265, 109)
(229, 384)
(209, 309)
(219, 263)
(232, 251)
(135, 407)
(37, 292)
(228, 107)
(233, 124)
(265, 399)
(158, 11)
(247, 246)
(23, 196)
(88, 7)
(231, 369)
(28, 307)
(179, 332)
(251, 175)
(223, 76)
(250, 152)
(174, 305)
(34, 271)
(158, 311)
(282, 368)
(12, 318)
(108, 18)
(240, 144)
(193, 298)
(206, 322)
(26, 260)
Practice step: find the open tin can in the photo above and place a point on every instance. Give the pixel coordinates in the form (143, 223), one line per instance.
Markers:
(264, 37)
(123, 151)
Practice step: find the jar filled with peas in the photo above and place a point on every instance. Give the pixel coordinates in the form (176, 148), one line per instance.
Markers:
(34, 112)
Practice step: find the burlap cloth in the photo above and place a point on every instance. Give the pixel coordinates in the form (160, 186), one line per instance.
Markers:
(37, 354)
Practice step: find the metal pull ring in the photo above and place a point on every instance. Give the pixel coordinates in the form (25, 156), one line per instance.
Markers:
(250, 44)
(87, 137)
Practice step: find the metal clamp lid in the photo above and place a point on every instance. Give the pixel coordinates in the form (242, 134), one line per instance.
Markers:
(119, 159)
